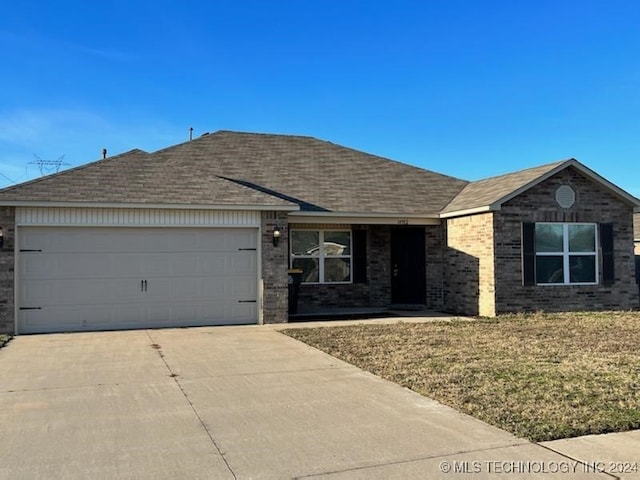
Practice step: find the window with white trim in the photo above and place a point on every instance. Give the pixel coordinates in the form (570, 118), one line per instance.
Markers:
(566, 253)
(324, 256)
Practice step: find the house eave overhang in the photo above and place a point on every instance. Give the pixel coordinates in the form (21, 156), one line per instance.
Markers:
(364, 218)
(168, 206)
(469, 211)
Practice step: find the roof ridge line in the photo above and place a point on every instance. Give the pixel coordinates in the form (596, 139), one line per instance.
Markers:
(513, 172)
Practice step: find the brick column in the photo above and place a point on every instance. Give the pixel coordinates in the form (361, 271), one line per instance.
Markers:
(7, 267)
(275, 262)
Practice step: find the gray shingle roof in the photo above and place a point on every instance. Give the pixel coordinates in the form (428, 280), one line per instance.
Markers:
(137, 177)
(249, 169)
(319, 175)
(232, 167)
(485, 192)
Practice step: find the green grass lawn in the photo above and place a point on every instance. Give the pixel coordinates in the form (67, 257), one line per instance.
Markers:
(539, 376)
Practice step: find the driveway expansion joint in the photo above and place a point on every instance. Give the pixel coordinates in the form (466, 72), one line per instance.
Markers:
(193, 408)
(76, 387)
(574, 459)
(271, 372)
(416, 459)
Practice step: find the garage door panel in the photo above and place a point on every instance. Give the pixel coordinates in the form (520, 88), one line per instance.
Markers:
(187, 265)
(243, 290)
(215, 263)
(136, 239)
(79, 318)
(93, 291)
(112, 278)
(49, 266)
(239, 314)
(242, 263)
(215, 289)
(113, 317)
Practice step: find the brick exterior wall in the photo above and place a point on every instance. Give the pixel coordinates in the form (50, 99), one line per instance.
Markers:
(593, 204)
(436, 262)
(275, 262)
(377, 291)
(379, 264)
(7, 222)
(469, 277)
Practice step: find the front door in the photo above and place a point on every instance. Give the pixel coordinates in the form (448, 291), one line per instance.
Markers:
(408, 270)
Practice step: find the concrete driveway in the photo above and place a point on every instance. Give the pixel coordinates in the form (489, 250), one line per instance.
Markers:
(232, 402)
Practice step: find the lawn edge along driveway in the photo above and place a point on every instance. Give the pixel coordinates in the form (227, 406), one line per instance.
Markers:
(538, 376)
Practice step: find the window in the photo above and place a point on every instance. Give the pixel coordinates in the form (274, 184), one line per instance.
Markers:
(324, 256)
(566, 253)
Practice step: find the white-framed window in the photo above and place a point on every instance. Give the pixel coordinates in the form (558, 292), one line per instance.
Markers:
(566, 253)
(324, 256)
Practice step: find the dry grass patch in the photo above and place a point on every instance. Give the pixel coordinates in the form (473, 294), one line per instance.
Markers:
(541, 376)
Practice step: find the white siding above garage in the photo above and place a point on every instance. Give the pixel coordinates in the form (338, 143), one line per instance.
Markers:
(135, 217)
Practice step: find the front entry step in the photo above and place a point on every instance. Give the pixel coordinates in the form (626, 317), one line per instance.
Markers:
(407, 306)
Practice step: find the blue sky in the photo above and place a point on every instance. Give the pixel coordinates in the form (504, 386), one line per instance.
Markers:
(467, 88)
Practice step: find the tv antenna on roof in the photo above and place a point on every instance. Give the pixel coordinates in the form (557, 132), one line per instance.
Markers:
(47, 166)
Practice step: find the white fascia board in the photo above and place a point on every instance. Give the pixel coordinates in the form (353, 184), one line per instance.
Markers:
(469, 211)
(171, 206)
(363, 218)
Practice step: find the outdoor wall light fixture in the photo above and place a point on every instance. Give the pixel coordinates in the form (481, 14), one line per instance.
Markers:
(1, 238)
(276, 236)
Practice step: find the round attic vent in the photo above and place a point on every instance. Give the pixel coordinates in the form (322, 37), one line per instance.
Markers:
(565, 196)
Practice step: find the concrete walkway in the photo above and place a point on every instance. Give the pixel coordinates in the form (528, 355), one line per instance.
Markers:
(237, 402)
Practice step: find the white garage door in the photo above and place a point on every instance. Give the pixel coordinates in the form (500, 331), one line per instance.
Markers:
(106, 278)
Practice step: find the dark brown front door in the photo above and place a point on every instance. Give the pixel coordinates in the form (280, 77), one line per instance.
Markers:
(408, 270)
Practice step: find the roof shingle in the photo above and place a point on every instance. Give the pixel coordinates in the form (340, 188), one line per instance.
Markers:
(267, 170)
(137, 177)
(485, 192)
(231, 167)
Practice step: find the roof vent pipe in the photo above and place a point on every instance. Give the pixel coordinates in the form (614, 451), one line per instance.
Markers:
(104, 153)
(190, 133)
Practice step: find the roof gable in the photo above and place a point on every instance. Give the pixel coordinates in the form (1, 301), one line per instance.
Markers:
(491, 193)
